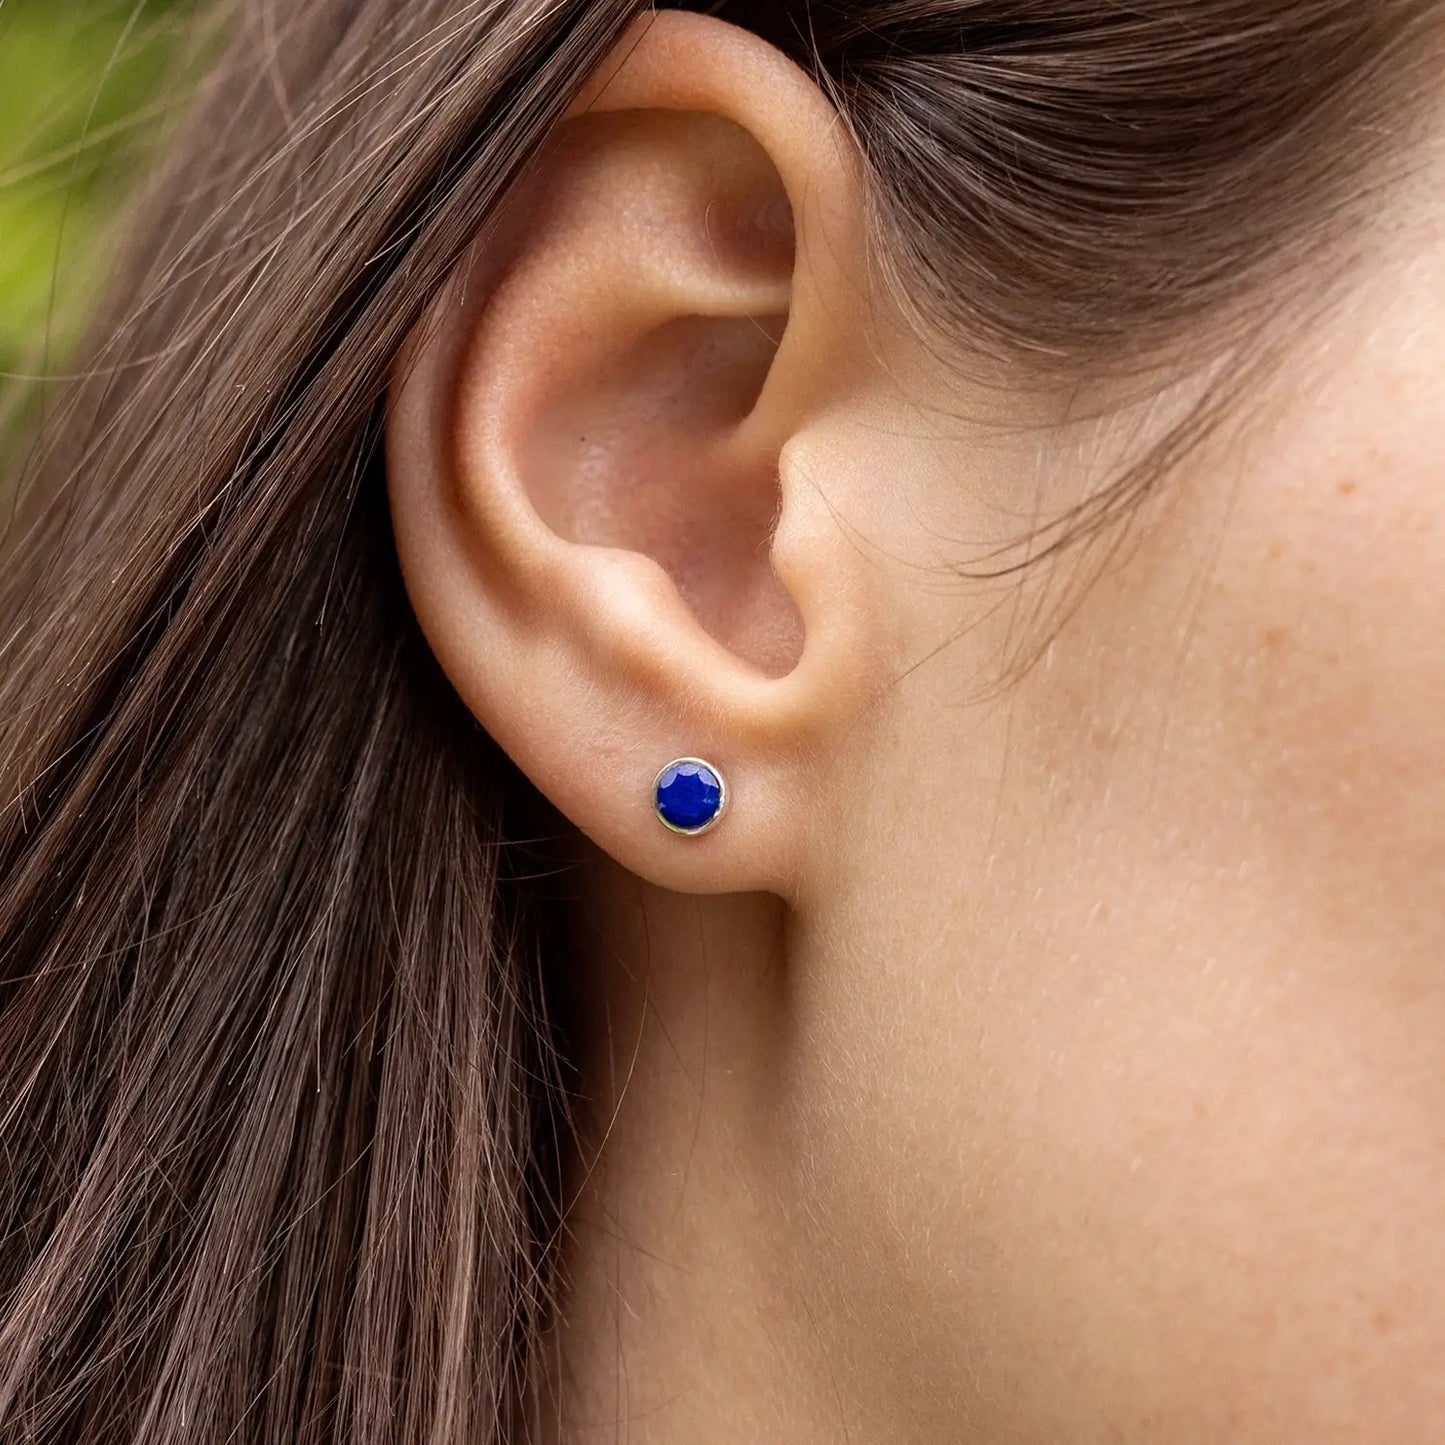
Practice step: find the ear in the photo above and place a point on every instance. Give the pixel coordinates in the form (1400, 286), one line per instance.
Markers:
(612, 528)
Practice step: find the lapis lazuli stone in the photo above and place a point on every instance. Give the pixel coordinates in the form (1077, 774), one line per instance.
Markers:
(689, 795)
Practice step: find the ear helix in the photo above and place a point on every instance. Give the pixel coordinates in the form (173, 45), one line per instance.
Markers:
(689, 796)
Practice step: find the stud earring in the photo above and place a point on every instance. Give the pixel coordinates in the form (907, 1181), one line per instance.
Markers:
(689, 796)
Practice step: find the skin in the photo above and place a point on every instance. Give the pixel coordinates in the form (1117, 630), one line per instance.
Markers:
(1030, 1054)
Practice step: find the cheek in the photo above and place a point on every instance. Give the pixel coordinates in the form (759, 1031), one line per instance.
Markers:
(1322, 655)
(1145, 1123)
(1235, 1105)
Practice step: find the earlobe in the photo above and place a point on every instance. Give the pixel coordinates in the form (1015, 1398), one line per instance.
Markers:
(588, 449)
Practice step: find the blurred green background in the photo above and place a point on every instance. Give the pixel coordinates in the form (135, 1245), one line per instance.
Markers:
(84, 87)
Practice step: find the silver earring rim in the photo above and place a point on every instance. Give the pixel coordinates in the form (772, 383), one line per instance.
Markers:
(722, 805)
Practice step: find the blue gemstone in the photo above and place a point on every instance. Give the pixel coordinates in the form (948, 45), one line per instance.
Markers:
(689, 795)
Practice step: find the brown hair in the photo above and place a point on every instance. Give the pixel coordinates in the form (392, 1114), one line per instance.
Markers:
(279, 1099)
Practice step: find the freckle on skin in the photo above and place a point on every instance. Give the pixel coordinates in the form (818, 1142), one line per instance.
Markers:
(1275, 638)
(1347, 488)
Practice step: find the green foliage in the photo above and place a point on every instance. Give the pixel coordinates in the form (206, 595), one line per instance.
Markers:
(83, 84)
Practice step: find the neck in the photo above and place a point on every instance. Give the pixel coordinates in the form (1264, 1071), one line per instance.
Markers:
(681, 1316)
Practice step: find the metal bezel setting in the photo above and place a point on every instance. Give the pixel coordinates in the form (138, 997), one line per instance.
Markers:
(722, 804)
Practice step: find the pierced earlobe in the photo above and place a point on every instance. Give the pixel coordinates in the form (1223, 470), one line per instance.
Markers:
(689, 796)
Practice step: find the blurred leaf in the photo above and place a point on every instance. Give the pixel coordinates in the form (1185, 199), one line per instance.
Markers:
(81, 84)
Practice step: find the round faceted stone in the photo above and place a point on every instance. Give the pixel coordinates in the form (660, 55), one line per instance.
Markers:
(689, 795)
